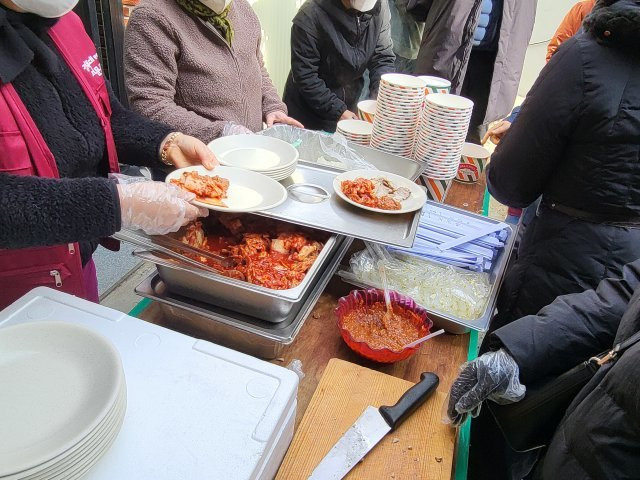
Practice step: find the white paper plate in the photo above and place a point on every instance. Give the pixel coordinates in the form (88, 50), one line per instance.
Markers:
(414, 202)
(254, 152)
(249, 191)
(59, 381)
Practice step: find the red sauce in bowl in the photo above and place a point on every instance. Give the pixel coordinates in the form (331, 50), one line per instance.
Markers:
(371, 324)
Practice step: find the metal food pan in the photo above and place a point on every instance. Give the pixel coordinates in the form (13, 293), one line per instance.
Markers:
(454, 324)
(231, 329)
(237, 295)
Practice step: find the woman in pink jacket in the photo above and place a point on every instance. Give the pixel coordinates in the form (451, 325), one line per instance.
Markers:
(61, 132)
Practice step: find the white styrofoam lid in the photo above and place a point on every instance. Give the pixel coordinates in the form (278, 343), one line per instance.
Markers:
(194, 409)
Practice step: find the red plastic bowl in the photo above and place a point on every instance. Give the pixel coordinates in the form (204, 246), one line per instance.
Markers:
(370, 297)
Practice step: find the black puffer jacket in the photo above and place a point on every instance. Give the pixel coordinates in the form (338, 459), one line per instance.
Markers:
(599, 437)
(576, 142)
(331, 47)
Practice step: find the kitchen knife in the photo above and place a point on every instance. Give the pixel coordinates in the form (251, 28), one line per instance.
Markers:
(370, 428)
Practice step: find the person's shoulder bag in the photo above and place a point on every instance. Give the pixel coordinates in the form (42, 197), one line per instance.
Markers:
(530, 423)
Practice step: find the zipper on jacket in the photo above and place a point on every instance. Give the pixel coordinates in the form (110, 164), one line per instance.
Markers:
(57, 277)
(235, 60)
(357, 29)
(72, 249)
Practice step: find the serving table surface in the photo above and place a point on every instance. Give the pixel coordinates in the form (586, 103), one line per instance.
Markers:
(319, 340)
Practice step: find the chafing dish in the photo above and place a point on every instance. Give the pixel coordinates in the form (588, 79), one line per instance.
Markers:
(234, 330)
(271, 305)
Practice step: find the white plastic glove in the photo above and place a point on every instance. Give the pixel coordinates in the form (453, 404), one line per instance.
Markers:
(492, 376)
(156, 208)
(232, 128)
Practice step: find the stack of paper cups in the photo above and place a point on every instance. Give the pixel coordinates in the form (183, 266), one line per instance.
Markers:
(443, 129)
(398, 110)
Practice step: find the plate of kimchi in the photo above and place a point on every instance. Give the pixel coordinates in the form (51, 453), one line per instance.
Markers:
(379, 191)
(229, 189)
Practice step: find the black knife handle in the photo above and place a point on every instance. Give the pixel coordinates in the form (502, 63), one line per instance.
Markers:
(411, 400)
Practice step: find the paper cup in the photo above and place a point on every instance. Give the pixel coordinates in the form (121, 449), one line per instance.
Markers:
(473, 163)
(435, 85)
(437, 189)
(367, 110)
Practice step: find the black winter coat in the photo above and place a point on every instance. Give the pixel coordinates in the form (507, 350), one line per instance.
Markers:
(599, 437)
(331, 48)
(576, 142)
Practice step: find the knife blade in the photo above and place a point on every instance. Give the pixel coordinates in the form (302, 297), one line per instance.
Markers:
(370, 428)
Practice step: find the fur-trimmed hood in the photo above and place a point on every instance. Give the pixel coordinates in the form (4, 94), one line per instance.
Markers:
(615, 23)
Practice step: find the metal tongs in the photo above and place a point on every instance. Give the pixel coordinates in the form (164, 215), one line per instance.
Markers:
(169, 245)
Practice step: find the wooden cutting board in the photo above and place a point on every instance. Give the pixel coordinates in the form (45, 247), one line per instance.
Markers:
(421, 448)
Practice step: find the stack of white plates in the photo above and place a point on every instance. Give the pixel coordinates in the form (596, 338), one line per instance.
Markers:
(443, 129)
(266, 155)
(398, 109)
(62, 402)
(357, 131)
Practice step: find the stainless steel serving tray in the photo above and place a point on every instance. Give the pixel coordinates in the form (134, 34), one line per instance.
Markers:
(337, 216)
(265, 303)
(454, 324)
(234, 330)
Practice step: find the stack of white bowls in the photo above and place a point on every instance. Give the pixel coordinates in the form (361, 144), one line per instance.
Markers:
(443, 129)
(269, 156)
(62, 402)
(357, 131)
(398, 109)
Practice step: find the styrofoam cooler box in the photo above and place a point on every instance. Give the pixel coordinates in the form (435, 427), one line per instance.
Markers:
(195, 410)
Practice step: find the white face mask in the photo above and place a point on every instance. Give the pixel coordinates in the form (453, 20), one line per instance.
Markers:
(363, 5)
(47, 8)
(217, 6)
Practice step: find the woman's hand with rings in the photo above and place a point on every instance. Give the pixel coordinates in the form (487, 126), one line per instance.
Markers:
(182, 150)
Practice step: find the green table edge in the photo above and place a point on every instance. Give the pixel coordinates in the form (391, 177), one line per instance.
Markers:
(462, 457)
(140, 307)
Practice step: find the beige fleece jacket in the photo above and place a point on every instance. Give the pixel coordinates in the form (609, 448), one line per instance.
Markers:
(180, 71)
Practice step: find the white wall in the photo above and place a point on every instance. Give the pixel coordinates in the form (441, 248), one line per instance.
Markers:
(548, 16)
(276, 17)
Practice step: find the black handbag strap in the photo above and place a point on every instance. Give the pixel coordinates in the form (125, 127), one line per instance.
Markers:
(616, 351)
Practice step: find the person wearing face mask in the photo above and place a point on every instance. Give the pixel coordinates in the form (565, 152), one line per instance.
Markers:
(61, 132)
(197, 66)
(333, 42)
